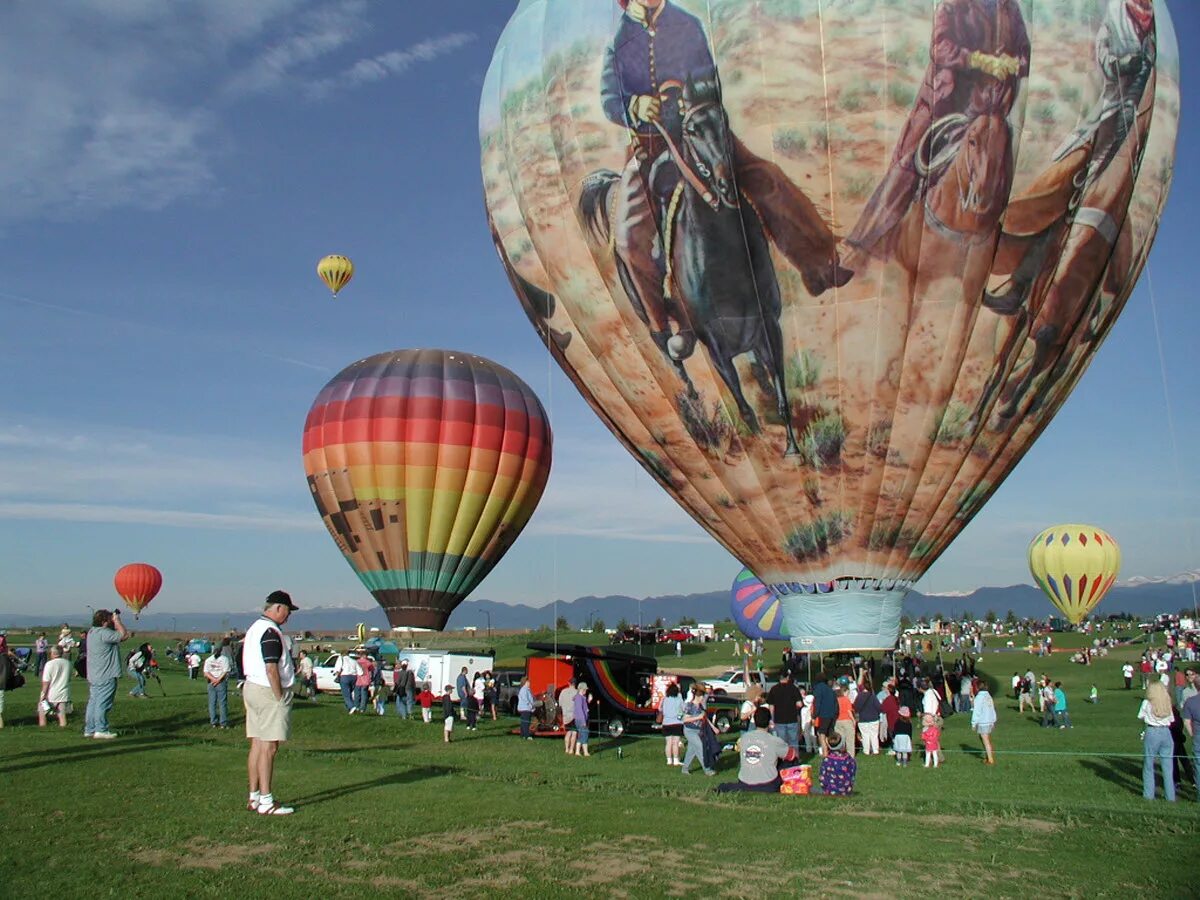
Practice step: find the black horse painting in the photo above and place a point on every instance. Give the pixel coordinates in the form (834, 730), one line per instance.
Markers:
(720, 278)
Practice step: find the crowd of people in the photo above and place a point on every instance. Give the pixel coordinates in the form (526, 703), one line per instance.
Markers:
(833, 721)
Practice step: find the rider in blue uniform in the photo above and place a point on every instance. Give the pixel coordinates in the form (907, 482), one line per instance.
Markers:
(658, 45)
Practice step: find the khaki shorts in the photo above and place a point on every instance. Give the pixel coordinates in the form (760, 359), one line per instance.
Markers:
(267, 719)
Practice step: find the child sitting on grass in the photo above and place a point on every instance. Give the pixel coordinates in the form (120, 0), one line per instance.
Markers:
(902, 737)
(838, 769)
(425, 698)
(932, 736)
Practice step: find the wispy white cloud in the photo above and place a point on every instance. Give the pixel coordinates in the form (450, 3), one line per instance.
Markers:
(48, 467)
(317, 34)
(596, 490)
(121, 103)
(129, 515)
(389, 65)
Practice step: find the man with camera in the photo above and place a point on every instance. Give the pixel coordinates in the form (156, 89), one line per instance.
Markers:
(267, 695)
(103, 671)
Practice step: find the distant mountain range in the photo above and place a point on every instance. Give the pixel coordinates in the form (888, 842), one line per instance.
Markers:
(1138, 596)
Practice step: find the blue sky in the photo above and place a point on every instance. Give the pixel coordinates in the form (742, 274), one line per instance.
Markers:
(172, 172)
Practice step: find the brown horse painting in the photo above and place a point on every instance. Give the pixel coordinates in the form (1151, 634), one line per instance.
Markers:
(1074, 234)
(950, 231)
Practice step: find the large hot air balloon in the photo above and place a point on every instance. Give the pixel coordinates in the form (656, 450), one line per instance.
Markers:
(828, 287)
(137, 584)
(336, 271)
(425, 465)
(1075, 565)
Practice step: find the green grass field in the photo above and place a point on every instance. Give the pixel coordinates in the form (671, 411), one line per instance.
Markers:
(384, 805)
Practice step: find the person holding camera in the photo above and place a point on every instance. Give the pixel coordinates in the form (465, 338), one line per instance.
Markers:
(103, 671)
(267, 695)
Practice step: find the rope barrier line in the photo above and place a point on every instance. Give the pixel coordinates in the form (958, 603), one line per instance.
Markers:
(1102, 754)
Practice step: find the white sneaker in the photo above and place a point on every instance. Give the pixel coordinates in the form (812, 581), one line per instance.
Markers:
(104, 735)
(274, 809)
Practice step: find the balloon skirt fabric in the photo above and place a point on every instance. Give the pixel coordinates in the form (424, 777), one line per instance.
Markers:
(425, 465)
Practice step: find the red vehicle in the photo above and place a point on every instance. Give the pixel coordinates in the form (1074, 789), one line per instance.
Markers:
(681, 634)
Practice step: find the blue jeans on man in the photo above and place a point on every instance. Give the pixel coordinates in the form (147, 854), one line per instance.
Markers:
(404, 704)
(526, 718)
(789, 733)
(100, 701)
(346, 683)
(1158, 744)
(218, 703)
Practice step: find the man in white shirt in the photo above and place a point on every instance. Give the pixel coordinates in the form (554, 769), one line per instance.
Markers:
(267, 695)
(56, 688)
(216, 673)
(345, 673)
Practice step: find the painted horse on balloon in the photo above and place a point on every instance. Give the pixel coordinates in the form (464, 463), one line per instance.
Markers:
(691, 193)
(1065, 247)
(937, 210)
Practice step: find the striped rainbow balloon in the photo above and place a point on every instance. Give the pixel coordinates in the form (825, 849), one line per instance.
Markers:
(425, 465)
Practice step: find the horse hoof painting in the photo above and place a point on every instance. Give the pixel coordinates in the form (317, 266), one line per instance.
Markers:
(829, 268)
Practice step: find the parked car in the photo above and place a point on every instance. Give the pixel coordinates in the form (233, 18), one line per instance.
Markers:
(508, 683)
(677, 634)
(733, 681)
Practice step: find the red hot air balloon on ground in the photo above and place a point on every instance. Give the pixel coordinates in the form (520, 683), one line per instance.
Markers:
(825, 286)
(425, 465)
(137, 584)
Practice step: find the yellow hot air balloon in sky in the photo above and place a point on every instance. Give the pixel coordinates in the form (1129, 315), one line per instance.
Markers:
(1075, 565)
(336, 271)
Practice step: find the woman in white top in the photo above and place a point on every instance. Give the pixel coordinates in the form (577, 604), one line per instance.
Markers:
(1157, 715)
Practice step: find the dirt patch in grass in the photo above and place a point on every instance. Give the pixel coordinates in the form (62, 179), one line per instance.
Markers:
(497, 883)
(986, 824)
(642, 860)
(203, 854)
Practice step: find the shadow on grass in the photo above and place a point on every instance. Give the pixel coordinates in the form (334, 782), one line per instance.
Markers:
(91, 750)
(420, 773)
(1124, 773)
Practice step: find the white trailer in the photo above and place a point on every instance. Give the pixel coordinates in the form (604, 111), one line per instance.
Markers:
(442, 667)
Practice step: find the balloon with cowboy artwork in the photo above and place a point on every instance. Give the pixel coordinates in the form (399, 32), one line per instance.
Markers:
(828, 269)
(1074, 565)
(425, 465)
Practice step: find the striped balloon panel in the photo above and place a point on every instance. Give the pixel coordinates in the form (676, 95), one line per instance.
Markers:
(425, 465)
(756, 611)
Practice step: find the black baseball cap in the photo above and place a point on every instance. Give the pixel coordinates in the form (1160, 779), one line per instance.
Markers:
(281, 598)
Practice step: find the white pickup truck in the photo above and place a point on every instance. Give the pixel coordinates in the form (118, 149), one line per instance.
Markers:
(733, 681)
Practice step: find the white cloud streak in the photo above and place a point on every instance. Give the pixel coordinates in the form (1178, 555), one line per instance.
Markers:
(126, 515)
(389, 65)
(119, 103)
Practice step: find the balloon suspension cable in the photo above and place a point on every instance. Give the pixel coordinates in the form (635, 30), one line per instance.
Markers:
(1189, 536)
(554, 536)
